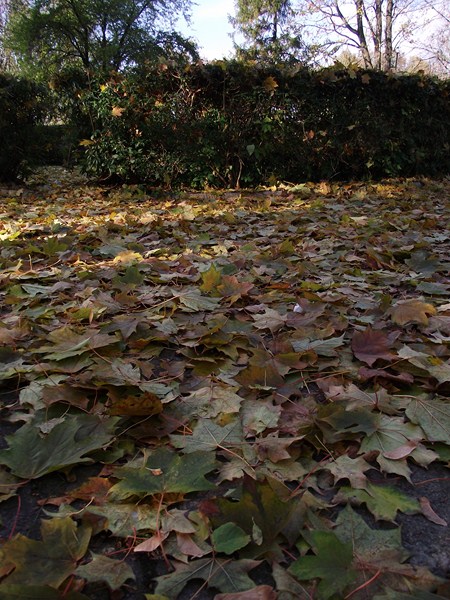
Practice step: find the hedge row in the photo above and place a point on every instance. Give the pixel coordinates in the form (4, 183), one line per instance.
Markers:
(227, 124)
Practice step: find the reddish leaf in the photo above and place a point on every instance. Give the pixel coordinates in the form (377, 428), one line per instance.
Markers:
(370, 345)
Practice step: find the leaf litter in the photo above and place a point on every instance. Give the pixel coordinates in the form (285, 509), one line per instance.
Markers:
(241, 394)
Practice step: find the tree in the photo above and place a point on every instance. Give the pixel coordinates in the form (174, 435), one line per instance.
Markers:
(98, 35)
(376, 28)
(271, 31)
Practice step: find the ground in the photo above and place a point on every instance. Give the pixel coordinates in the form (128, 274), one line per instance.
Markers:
(229, 394)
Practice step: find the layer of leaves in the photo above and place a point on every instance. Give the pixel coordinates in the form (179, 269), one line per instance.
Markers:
(238, 365)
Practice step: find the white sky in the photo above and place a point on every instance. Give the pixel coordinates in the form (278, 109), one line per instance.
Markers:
(211, 28)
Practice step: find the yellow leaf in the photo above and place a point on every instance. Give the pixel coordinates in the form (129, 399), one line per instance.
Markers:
(86, 143)
(117, 111)
(413, 311)
(128, 257)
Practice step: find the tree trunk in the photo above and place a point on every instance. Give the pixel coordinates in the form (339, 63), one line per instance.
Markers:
(361, 34)
(388, 46)
(378, 34)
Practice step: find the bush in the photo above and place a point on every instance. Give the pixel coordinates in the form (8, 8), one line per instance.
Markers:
(22, 107)
(229, 124)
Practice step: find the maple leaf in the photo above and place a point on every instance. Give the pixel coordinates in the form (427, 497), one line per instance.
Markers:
(165, 472)
(433, 416)
(224, 575)
(412, 311)
(377, 547)
(270, 319)
(344, 467)
(370, 345)
(193, 301)
(261, 514)
(326, 347)
(31, 454)
(127, 257)
(213, 400)
(125, 519)
(382, 501)
(48, 561)
(211, 279)
(209, 435)
(68, 343)
(101, 568)
(230, 287)
(331, 563)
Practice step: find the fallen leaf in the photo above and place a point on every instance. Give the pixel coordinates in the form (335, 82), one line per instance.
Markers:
(370, 345)
(412, 311)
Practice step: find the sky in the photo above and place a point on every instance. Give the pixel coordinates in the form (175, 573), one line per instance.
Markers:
(211, 28)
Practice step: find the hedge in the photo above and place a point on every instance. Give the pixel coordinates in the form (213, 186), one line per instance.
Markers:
(230, 124)
(23, 105)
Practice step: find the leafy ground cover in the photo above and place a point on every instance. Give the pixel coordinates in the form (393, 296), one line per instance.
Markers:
(225, 395)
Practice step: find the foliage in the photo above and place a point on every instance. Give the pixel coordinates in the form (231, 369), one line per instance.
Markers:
(228, 124)
(242, 369)
(48, 36)
(270, 32)
(22, 106)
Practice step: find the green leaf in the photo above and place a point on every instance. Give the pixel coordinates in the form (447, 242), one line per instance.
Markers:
(101, 568)
(193, 301)
(209, 435)
(124, 520)
(391, 434)
(260, 509)
(225, 575)
(50, 561)
(377, 547)
(331, 564)
(433, 416)
(32, 454)
(321, 347)
(229, 537)
(383, 501)
(165, 472)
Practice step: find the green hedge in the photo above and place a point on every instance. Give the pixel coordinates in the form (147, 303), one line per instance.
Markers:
(23, 105)
(228, 124)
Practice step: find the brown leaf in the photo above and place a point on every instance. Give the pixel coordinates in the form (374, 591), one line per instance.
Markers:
(429, 513)
(188, 547)
(152, 543)
(413, 311)
(370, 345)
